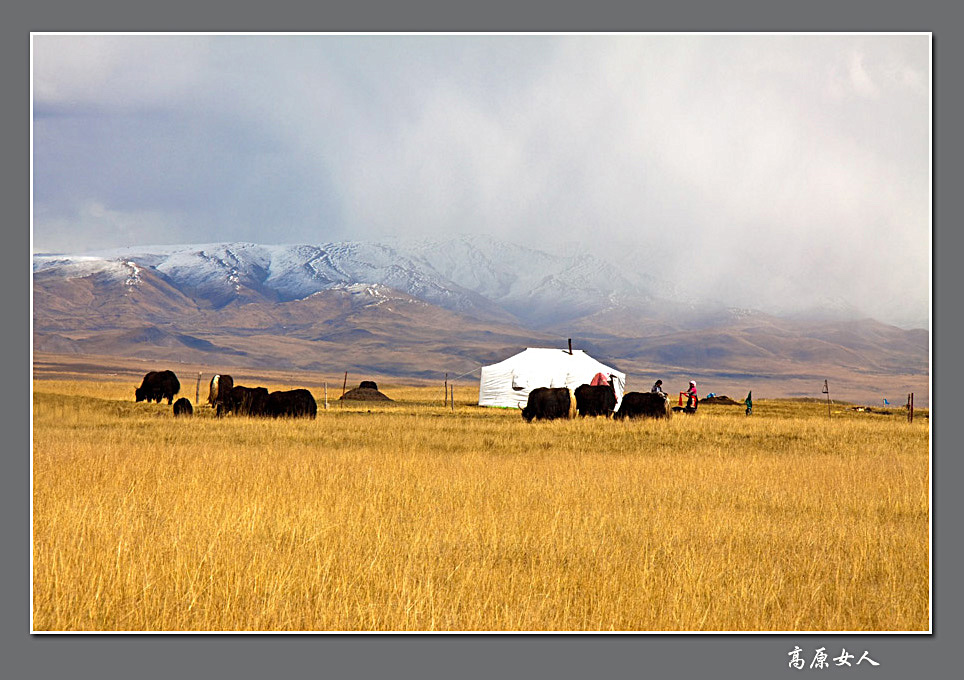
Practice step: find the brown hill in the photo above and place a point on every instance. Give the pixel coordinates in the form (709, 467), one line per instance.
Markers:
(365, 328)
(375, 330)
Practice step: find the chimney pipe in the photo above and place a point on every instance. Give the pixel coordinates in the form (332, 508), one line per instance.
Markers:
(570, 346)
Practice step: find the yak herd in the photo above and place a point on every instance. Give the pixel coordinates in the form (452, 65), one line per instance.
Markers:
(226, 397)
(549, 403)
(544, 403)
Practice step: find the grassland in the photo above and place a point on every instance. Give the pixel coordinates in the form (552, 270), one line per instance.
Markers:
(413, 516)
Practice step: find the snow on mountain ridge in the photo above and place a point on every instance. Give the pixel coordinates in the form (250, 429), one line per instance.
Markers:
(475, 275)
(479, 264)
(80, 267)
(134, 278)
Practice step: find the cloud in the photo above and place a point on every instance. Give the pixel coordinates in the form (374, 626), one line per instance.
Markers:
(117, 73)
(750, 167)
(95, 224)
(860, 79)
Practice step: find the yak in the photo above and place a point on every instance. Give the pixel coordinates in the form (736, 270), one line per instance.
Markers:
(244, 401)
(220, 387)
(595, 400)
(182, 407)
(158, 385)
(643, 405)
(549, 403)
(291, 404)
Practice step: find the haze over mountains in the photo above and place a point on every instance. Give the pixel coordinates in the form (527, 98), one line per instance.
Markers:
(422, 308)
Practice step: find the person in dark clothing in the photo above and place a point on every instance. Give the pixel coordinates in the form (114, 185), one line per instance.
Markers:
(658, 388)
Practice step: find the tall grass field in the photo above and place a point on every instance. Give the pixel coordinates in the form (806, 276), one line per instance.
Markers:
(414, 516)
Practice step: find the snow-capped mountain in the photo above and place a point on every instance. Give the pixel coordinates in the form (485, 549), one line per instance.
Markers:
(471, 275)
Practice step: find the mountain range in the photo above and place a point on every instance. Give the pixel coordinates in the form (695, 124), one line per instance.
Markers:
(420, 309)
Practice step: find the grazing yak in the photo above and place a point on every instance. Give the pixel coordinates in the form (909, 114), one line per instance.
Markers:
(158, 385)
(220, 387)
(549, 403)
(182, 407)
(291, 404)
(643, 405)
(595, 400)
(244, 401)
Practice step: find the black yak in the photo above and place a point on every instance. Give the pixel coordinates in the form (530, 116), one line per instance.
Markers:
(643, 405)
(182, 407)
(158, 385)
(291, 404)
(244, 401)
(595, 400)
(549, 403)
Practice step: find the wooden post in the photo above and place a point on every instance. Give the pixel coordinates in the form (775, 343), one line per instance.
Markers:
(197, 389)
(452, 391)
(910, 407)
(344, 387)
(326, 396)
(826, 390)
(445, 398)
(570, 346)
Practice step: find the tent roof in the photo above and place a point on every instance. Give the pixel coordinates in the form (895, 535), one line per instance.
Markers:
(547, 356)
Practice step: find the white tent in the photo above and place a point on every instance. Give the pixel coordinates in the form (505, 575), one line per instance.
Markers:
(509, 382)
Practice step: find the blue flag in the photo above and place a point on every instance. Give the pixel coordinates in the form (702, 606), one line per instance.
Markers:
(886, 403)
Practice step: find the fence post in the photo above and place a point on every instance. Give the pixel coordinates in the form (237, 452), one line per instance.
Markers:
(197, 389)
(326, 396)
(344, 386)
(445, 397)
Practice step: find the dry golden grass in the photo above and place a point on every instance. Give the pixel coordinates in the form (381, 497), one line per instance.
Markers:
(411, 516)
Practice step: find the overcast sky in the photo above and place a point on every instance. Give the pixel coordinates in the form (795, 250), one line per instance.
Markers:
(763, 170)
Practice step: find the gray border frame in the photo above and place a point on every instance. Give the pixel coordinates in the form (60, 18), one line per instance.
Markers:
(469, 656)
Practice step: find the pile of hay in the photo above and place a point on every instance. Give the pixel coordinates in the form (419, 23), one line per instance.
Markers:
(721, 399)
(366, 391)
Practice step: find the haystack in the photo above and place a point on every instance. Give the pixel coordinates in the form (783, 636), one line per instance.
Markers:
(721, 399)
(366, 391)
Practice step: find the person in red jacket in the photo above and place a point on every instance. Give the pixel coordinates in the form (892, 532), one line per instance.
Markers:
(690, 394)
